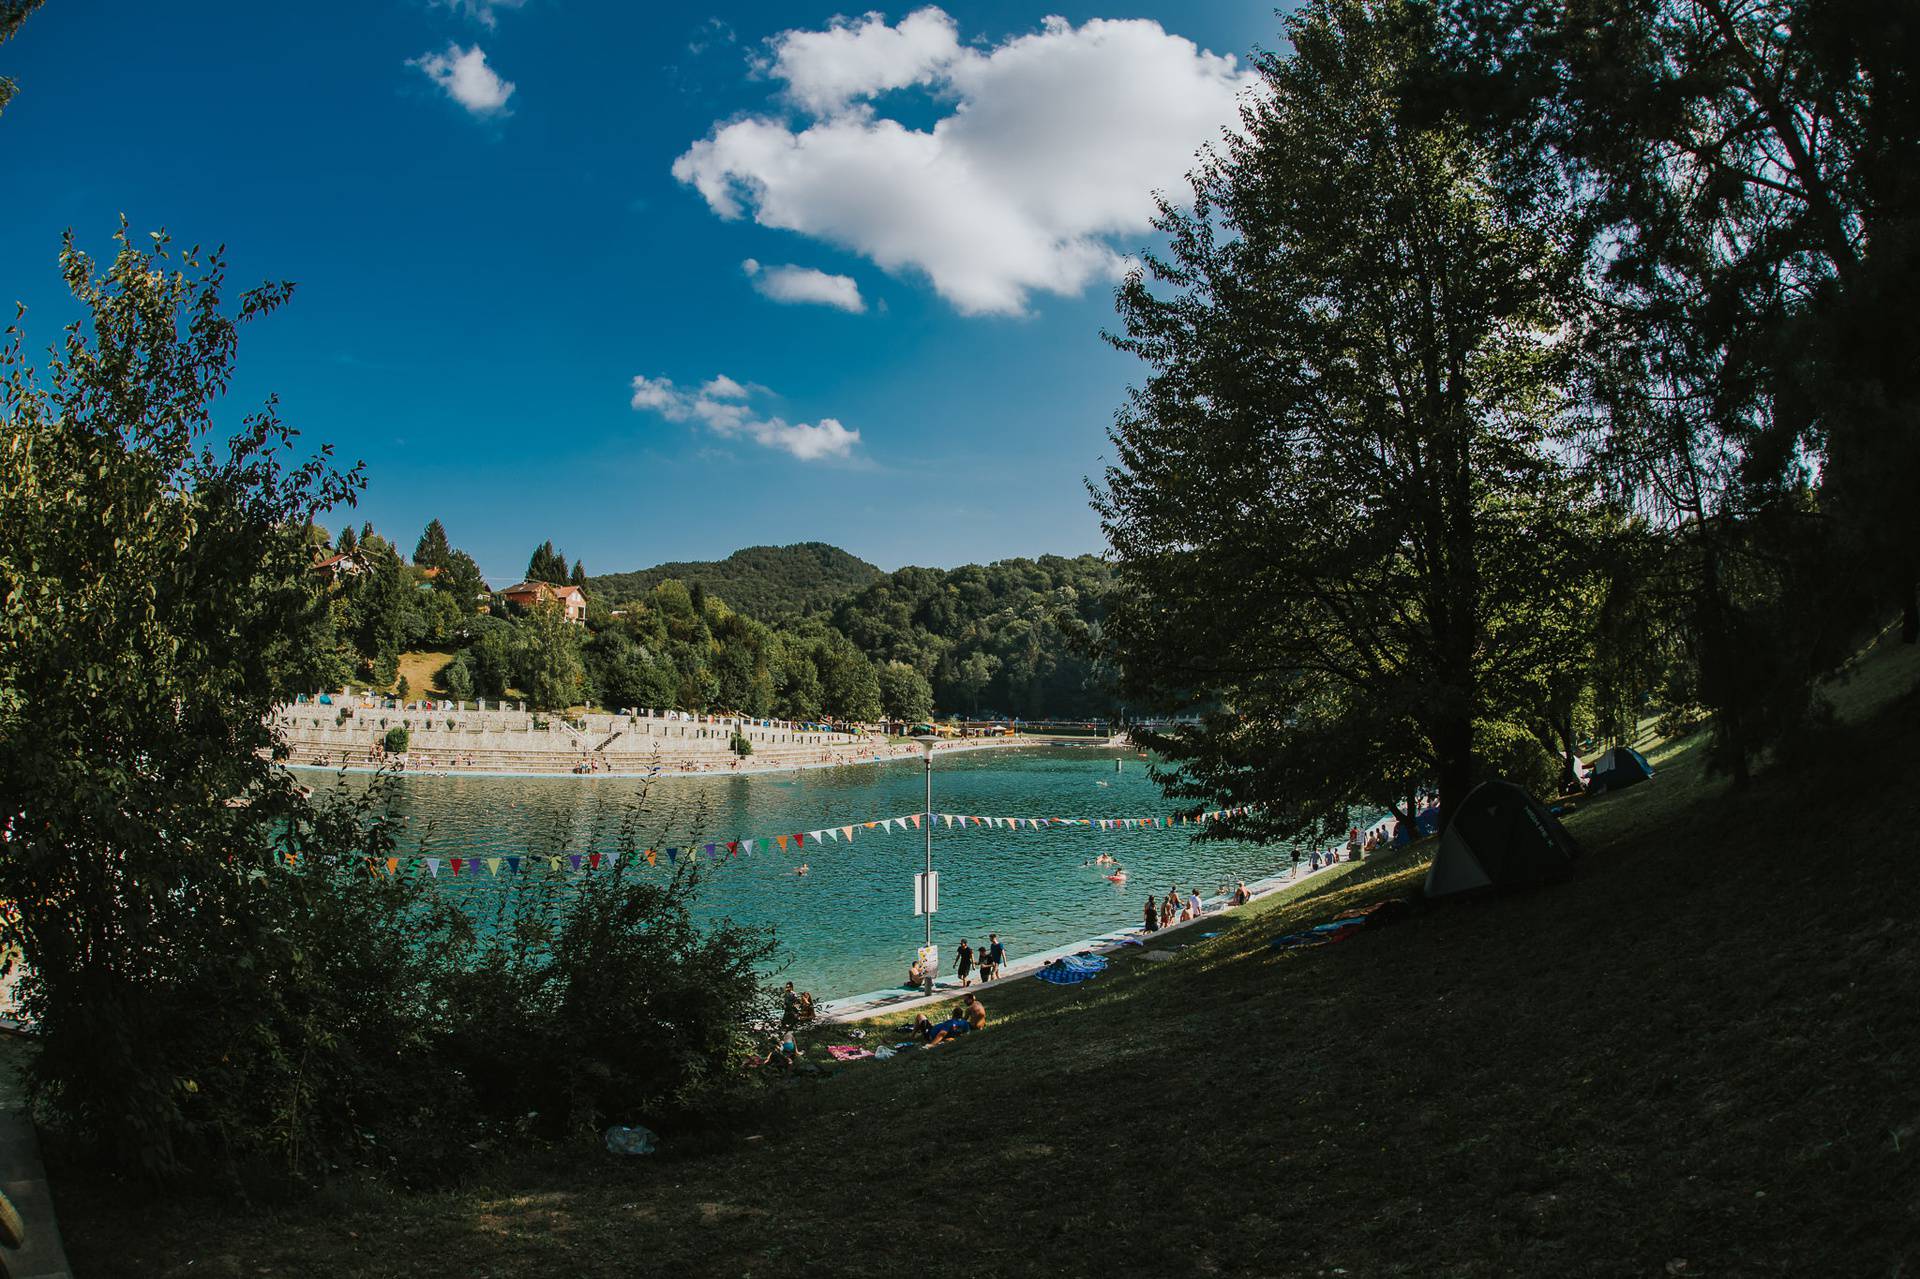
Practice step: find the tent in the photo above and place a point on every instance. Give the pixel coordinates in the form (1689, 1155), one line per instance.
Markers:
(1501, 837)
(1620, 767)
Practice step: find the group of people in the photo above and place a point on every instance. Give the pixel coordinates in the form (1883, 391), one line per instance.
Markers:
(796, 1007)
(1175, 909)
(970, 1015)
(985, 963)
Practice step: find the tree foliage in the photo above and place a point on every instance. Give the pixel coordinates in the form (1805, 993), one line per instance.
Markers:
(1342, 529)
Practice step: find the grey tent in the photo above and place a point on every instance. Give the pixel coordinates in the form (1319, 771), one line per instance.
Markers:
(1618, 769)
(1501, 837)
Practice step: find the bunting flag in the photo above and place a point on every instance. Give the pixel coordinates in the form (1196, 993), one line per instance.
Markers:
(798, 839)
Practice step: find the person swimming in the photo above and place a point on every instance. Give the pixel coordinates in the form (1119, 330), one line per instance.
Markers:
(801, 869)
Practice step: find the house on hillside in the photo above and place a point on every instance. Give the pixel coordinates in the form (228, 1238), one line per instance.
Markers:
(335, 567)
(571, 599)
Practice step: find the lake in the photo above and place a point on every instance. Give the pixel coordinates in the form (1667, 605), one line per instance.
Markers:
(847, 927)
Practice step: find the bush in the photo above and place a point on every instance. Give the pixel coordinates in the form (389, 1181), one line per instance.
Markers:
(742, 745)
(397, 739)
(1510, 752)
(607, 1005)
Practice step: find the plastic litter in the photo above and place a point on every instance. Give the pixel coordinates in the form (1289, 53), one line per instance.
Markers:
(631, 1141)
(882, 1053)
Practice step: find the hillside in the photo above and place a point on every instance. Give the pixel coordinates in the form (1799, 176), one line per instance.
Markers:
(1695, 1058)
(767, 583)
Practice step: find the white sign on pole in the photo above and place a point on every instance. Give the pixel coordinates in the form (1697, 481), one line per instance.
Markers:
(930, 958)
(926, 892)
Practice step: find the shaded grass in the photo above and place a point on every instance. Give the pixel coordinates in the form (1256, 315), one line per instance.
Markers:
(1698, 1057)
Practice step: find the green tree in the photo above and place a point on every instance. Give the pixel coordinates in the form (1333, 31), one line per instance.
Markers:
(905, 693)
(432, 550)
(548, 667)
(459, 579)
(547, 565)
(1744, 173)
(1335, 491)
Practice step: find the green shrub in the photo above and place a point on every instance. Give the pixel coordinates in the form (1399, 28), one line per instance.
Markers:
(607, 1004)
(1509, 751)
(397, 739)
(742, 745)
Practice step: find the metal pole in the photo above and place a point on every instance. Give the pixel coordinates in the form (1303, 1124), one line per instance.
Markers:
(927, 827)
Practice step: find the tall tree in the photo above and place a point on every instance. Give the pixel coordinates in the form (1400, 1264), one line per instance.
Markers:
(1335, 502)
(547, 565)
(432, 550)
(1748, 175)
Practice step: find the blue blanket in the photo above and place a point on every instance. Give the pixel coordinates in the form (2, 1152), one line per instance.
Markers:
(1069, 969)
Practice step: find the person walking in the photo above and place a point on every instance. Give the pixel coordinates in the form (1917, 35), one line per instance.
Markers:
(996, 952)
(1152, 915)
(963, 966)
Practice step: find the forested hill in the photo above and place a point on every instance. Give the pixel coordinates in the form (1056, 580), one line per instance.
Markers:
(767, 583)
(1008, 638)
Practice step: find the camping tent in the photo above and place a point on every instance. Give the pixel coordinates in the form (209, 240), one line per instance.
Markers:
(1620, 767)
(1501, 837)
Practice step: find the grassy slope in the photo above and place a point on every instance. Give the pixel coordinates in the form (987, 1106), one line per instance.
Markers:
(1697, 1058)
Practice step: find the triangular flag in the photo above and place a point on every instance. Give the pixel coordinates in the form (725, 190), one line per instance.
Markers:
(733, 848)
(848, 832)
(799, 840)
(513, 865)
(887, 825)
(869, 825)
(553, 863)
(593, 860)
(574, 859)
(746, 846)
(916, 821)
(709, 852)
(833, 834)
(673, 855)
(782, 841)
(653, 858)
(393, 865)
(493, 865)
(693, 854)
(433, 867)
(454, 864)
(948, 818)
(613, 858)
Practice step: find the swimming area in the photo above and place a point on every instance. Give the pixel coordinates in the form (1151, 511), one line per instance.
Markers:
(847, 926)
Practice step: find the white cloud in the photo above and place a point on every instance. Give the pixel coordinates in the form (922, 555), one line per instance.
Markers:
(1050, 145)
(824, 70)
(721, 406)
(804, 284)
(463, 74)
(485, 12)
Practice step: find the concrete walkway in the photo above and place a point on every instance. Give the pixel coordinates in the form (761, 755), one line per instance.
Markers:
(855, 1008)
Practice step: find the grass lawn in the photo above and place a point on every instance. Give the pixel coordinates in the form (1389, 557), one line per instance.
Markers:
(422, 673)
(1699, 1057)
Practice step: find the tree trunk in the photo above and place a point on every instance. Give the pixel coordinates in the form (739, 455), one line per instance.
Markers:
(1453, 745)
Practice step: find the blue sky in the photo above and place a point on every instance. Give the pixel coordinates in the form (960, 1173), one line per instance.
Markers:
(522, 236)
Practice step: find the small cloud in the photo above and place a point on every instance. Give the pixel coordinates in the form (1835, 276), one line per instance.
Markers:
(484, 12)
(804, 284)
(464, 76)
(721, 406)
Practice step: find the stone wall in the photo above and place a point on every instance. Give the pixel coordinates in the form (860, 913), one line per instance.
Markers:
(505, 739)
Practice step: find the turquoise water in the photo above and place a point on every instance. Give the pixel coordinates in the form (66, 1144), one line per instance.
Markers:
(847, 926)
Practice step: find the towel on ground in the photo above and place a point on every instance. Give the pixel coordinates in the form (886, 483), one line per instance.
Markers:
(847, 1052)
(1071, 969)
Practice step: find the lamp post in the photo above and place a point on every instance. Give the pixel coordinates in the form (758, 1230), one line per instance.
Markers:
(928, 895)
